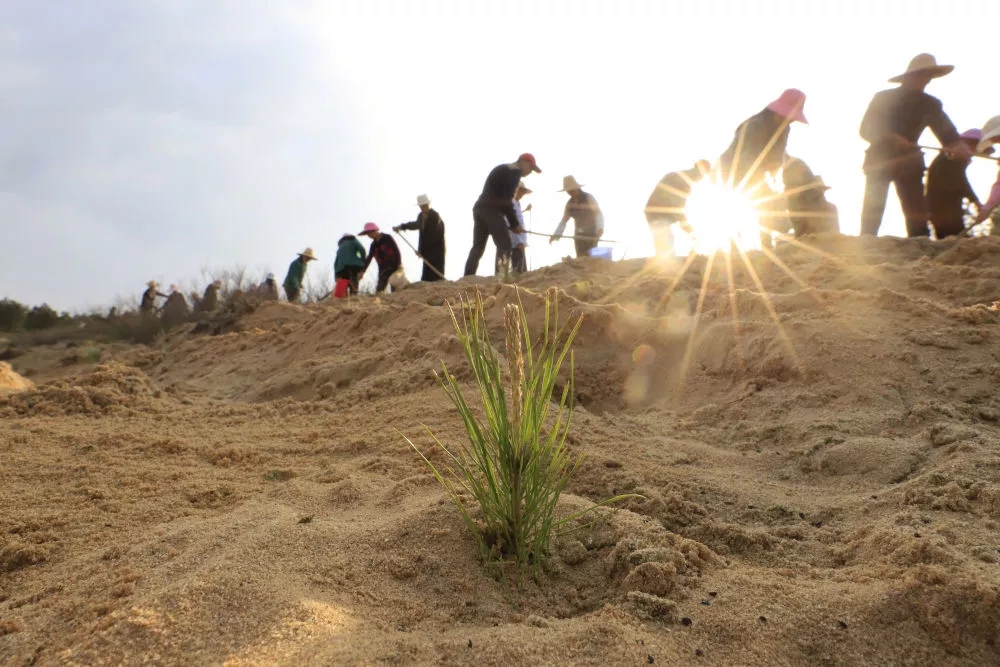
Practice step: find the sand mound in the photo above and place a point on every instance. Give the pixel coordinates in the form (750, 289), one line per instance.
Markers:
(815, 443)
(11, 381)
(109, 388)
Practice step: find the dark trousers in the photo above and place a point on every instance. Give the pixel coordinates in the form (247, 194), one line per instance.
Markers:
(518, 260)
(351, 274)
(910, 189)
(293, 295)
(487, 223)
(428, 274)
(584, 246)
(383, 277)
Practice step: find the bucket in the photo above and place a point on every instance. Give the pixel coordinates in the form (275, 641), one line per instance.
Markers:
(341, 288)
(601, 253)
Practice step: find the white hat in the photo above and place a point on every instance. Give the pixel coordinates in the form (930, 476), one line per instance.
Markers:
(569, 183)
(308, 253)
(270, 276)
(923, 64)
(991, 132)
(423, 200)
(175, 288)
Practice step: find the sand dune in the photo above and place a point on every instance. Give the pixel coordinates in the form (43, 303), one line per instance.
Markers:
(820, 478)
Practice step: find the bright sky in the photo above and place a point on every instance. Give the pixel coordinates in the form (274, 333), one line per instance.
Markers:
(147, 140)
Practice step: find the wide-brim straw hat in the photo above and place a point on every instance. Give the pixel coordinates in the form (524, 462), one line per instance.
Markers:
(819, 184)
(991, 132)
(569, 183)
(307, 253)
(926, 64)
(152, 283)
(521, 187)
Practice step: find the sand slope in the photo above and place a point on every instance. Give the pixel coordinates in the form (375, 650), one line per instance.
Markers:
(821, 478)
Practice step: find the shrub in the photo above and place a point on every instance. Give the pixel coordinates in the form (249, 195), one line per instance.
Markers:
(514, 466)
(41, 317)
(11, 315)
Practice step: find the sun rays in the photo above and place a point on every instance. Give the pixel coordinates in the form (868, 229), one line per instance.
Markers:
(727, 220)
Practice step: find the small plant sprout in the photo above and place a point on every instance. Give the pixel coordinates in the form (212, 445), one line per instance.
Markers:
(515, 464)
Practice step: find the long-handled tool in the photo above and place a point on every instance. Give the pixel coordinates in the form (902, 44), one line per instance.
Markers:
(431, 266)
(575, 238)
(940, 149)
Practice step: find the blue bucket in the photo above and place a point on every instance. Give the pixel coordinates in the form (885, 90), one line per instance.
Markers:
(601, 253)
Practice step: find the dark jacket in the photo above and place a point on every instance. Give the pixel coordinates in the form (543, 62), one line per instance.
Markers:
(907, 113)
(752, 154)
(498, 191)
(431, 241)
(947, 186)
(296, 274)
(385, 252)
(350, 254)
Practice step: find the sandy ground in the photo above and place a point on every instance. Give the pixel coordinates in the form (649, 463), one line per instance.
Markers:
(821, 478)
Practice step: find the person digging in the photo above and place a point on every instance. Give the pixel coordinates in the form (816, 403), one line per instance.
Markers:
(588, 221)
(991, 136)
(805, 198)
(147, 307)
(665, 206)
(519, 240)
(385, 252)
(948, 187)
(494, 216)
(430, 243)
(268, 290)
(349, 262)
(892, 125)
(297, 274)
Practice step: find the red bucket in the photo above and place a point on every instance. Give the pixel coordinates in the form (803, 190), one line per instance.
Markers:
(341, 288)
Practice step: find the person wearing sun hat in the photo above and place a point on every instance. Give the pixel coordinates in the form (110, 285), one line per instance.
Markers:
(384, 251)
(892, 125)
(947, 186)
(296, 274)
(494, 216)
(268, 290)
(805, 198)
(588, 221)
(147, 306)
(430, 242)
(758, 149)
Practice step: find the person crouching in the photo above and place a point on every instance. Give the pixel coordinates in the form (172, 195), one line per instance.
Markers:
(384, 251)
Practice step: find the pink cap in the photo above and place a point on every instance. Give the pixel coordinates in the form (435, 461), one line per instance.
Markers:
(974, 134)
(370, 227)
(790, 105)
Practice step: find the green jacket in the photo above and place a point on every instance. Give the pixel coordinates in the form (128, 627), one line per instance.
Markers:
(296, 274)
(350, 254)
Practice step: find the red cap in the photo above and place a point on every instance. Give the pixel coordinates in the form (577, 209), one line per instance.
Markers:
(528, 157)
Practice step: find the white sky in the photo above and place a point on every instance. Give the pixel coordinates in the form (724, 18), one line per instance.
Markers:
(368, 104)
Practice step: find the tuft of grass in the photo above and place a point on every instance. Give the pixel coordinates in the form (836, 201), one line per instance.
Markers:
(515, 464)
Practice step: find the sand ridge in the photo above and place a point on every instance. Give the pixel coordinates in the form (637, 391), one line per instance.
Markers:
(821, 488)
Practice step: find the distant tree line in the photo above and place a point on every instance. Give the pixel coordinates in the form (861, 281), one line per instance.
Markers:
(15, 316)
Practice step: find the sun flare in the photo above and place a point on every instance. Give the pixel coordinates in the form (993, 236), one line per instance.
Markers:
(718, 215)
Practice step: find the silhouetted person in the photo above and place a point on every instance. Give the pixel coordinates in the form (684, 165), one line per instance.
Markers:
(519, 240)
(588, 221)
(947, 187)
(148, 304)
(493, 214)
(175, 311)
(268, 290)
(805, 197)
(210, 301)
(892, 125)
(758, 149)
(666, 205)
